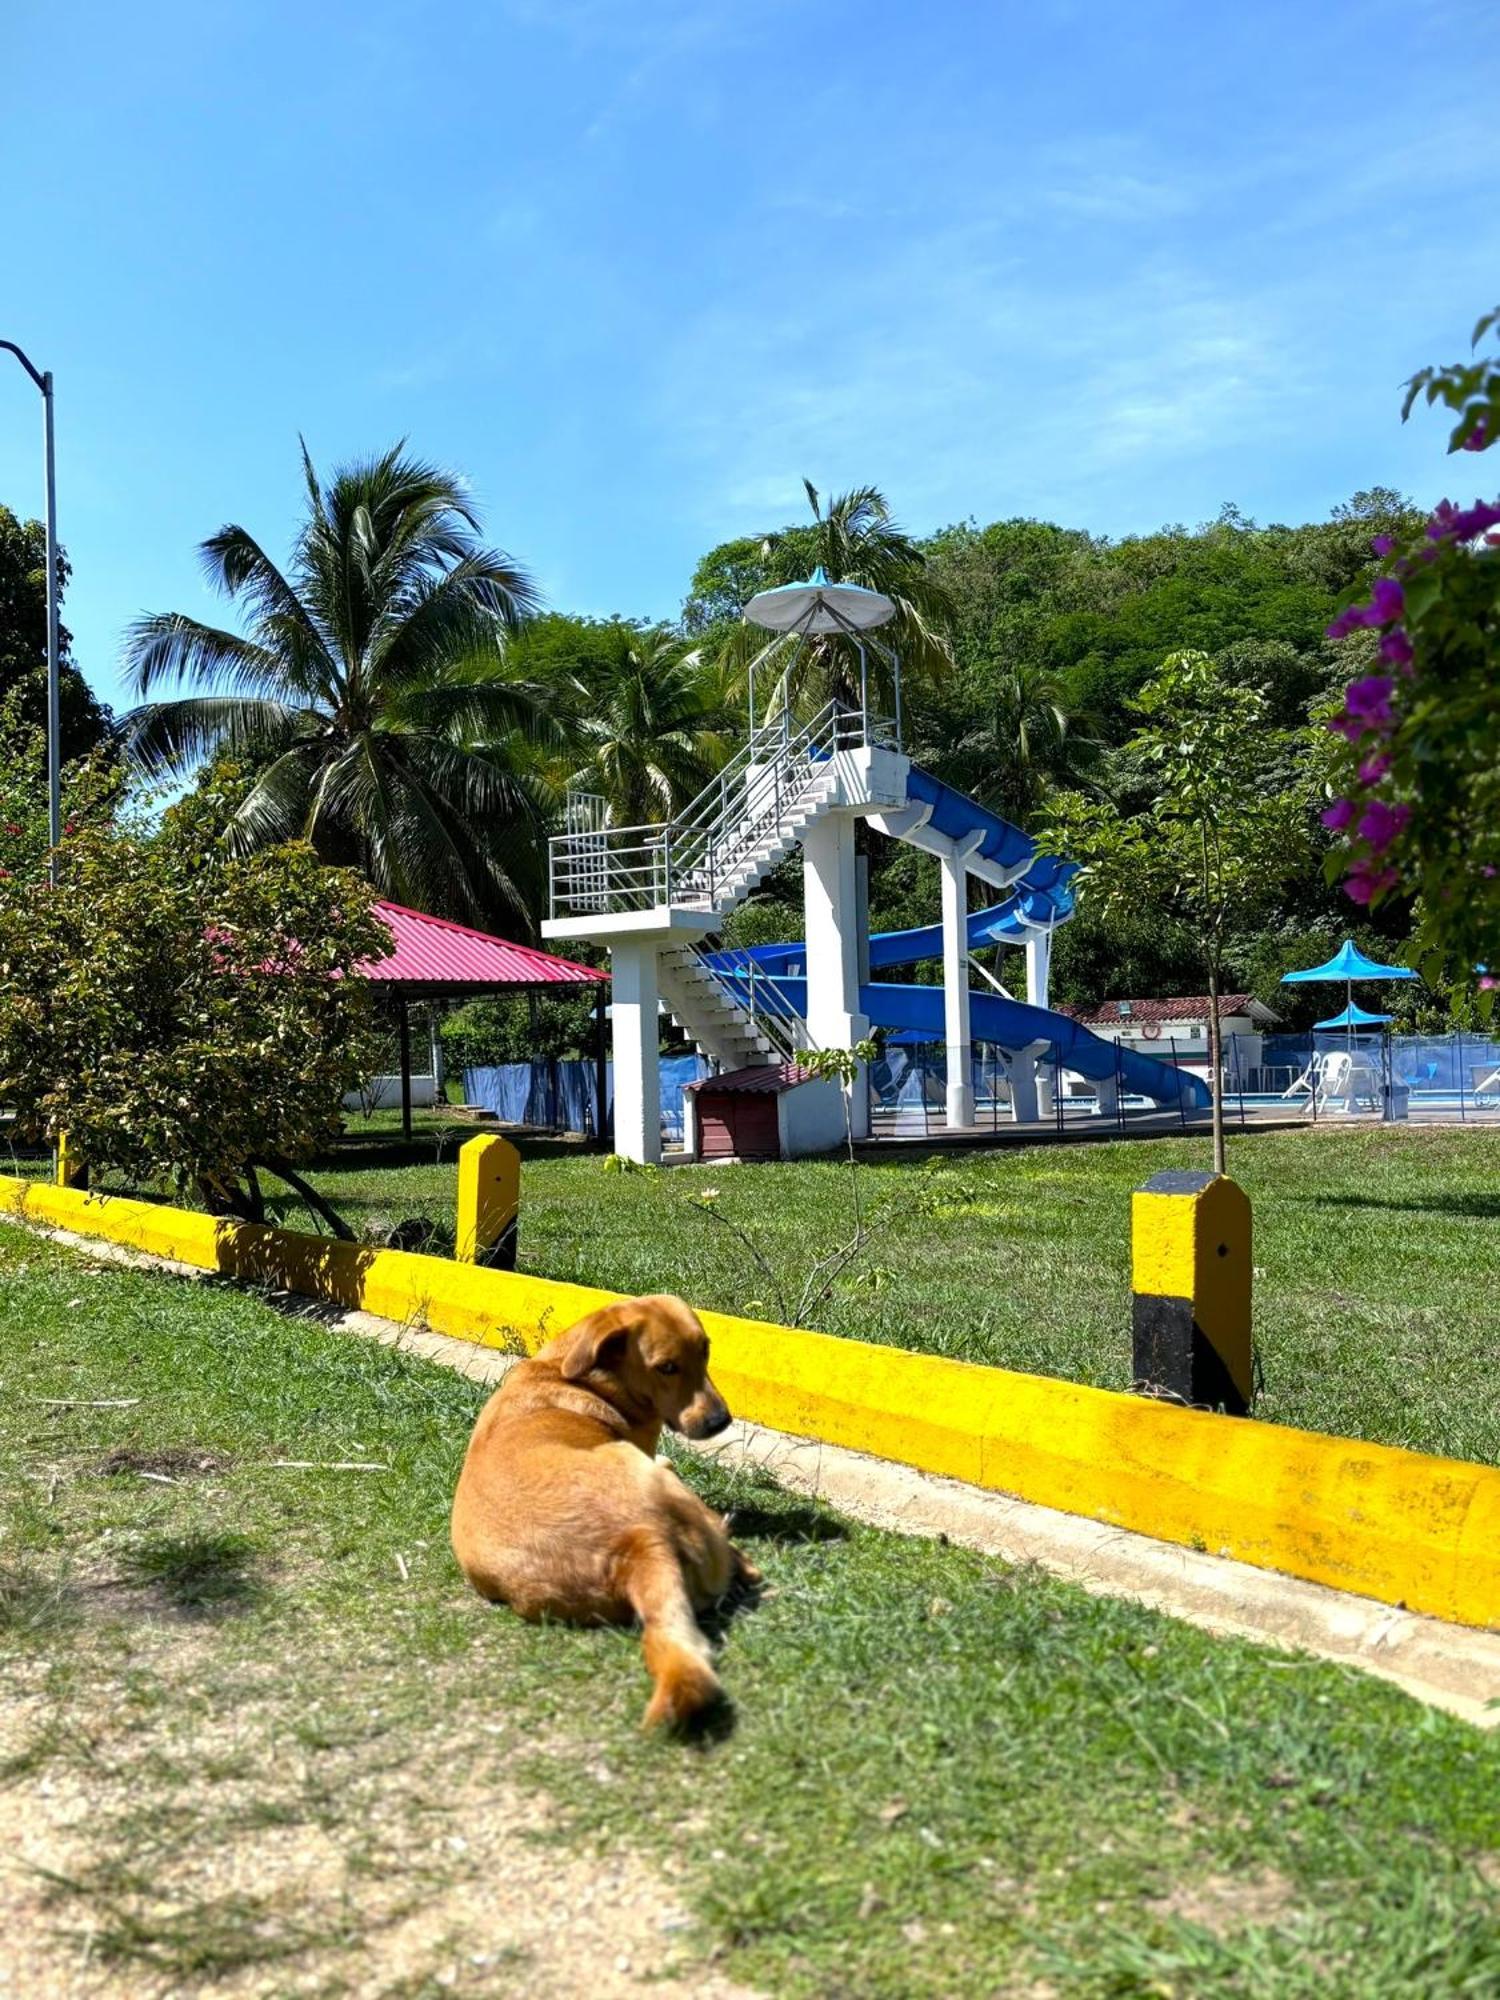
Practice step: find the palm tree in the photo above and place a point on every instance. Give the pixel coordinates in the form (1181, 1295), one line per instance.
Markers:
(1027, 739)
(653, 723)
(370, 696)
(855, 540)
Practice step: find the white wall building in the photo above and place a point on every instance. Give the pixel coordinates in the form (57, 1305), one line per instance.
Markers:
(1168, 1028)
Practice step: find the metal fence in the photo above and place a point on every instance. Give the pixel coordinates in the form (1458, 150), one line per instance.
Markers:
(1413, 1079)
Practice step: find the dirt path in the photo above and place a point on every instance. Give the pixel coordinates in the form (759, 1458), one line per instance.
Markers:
(439, 1882)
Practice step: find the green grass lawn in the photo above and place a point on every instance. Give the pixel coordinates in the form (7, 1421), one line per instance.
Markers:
(1377, 1254)
(948, 1778)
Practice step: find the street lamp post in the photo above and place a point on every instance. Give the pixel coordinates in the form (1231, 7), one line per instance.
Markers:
(54, 686)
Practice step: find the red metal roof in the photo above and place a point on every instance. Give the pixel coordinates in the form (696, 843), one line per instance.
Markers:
(434, 952)
(759, 1076)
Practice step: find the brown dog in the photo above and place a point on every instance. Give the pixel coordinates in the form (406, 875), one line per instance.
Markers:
(562, 1510)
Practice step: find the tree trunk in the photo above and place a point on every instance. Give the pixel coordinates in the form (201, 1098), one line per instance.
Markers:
(1216, 1067)
(320, 1207)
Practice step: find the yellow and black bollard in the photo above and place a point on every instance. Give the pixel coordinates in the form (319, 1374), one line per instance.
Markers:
(1190, 1274)
(489, 1202)
(72, 1169)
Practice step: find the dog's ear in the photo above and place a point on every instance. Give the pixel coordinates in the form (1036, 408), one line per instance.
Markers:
(597, 1339)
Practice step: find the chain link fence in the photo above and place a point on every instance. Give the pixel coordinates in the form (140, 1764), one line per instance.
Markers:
(1270, 1079)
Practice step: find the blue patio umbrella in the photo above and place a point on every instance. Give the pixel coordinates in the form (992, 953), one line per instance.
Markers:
(1353, 1016)
(1349, 963)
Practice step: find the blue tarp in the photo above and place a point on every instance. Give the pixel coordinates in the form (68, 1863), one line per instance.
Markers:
(562, 1095)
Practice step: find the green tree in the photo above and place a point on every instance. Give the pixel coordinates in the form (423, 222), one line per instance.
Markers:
(23, 639)
(372, 693)
(1224, 826)
(185, 1014)
(653, 723)
(91, 789)
(1023, 741)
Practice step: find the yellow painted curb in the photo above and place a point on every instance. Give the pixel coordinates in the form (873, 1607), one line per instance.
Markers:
(1389, 1524)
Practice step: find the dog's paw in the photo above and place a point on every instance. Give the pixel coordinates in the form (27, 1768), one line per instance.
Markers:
(745, 1571)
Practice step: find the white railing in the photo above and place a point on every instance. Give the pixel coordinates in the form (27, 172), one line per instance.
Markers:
(769, 1011)
(697, 859)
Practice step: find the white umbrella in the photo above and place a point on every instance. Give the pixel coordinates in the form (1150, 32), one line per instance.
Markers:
(820, 606)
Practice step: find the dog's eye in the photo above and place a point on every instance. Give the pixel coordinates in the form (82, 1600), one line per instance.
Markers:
(666, 1367)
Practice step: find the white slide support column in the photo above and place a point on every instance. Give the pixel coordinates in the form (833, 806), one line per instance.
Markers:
(637, 1038)
(830, 894)
(958, 1047)
(1024, 1066)
(1038, 966)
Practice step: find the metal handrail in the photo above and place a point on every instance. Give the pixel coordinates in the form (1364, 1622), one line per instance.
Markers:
(691, 859)
(770, 1012)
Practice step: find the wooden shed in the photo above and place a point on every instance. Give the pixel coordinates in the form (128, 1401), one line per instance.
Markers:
(772, 1111)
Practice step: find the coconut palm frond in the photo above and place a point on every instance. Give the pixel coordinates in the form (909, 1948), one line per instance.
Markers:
(164, 737)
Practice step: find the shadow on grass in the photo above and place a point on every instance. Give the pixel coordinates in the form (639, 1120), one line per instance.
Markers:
(790, 1526)
(1473, 1206)
(203, 1575)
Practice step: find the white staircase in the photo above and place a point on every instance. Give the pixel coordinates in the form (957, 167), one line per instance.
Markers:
(727, 841)
(655, 894)
(734, 1032)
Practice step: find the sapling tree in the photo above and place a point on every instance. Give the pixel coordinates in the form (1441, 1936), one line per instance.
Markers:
(1223, 825)
(844, 1067)
(1418, 768)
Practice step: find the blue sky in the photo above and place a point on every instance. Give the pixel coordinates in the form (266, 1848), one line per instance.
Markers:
(636, 266)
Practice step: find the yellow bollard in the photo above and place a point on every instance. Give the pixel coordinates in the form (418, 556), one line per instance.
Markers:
(489, 1202)
(1190, 1275)
(71, 1170)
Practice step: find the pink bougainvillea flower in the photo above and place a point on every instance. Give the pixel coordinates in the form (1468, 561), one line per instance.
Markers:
(1366, 881)
(1380, 823)
(1337, 816)
(1373, 769)
(1462, 524)
(1382, 544)
(1370, 697)
(1478, 438)
(1387, 600)
(1396, 647)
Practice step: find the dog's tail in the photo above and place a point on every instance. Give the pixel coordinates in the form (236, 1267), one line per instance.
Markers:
(678, 1657)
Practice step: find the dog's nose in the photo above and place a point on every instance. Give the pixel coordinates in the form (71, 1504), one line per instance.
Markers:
(700, 1424)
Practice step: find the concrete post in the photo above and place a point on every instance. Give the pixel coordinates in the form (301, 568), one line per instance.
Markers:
(956, 993)
(1190, 1283)
(830, 893)
(72, 1169)
(1024, 1075)
(1108, 1088)
(489, 1202)
(637, 1038)
(1038, 966)
(435, 1044)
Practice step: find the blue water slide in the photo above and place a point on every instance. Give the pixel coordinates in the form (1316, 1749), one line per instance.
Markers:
(1013, 1024)
(1039, 896)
